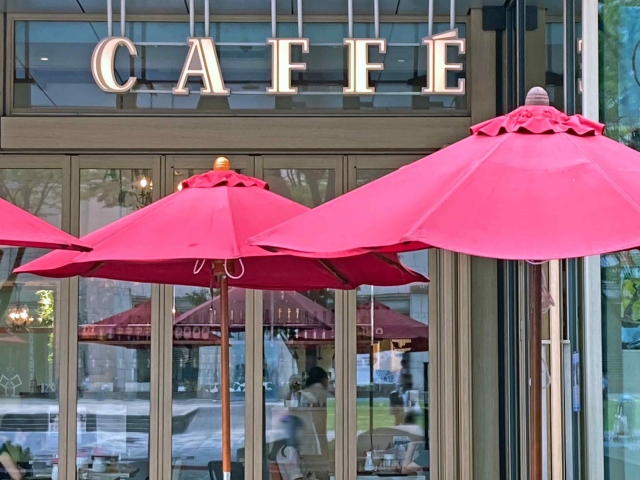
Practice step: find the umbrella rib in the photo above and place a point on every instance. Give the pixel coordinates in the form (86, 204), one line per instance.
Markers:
(458, 183)
(611, 181)
(389, 261)
(233, 229)
(97, 266)
(333, 270)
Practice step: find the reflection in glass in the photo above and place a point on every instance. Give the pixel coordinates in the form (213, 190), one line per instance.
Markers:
(299, 356)
(29, 346)
(310, 187)
(52, 68)
(621, 363)
(197, 416)
(392, 374)
(299, 383)
(114, 337)
(620, 273)
(393, 369)
(554, 39)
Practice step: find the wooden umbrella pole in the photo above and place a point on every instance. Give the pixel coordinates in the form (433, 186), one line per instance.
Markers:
(535, 371)
(224, 361)
(222, 273)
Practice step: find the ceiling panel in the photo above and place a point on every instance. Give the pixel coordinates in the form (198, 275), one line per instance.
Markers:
(261, 7)
(43, 6)
(137, 6)
(228, 7)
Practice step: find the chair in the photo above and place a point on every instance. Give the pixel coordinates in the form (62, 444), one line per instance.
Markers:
(215, 470)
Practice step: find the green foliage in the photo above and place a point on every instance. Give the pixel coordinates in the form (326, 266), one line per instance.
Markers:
(46, 310)
(619, 84)
(198, 296)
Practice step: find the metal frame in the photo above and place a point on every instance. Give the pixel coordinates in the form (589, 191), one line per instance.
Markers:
(79, 163)
(66, 331)
(592, 331)
(12, 18)
(61, 327)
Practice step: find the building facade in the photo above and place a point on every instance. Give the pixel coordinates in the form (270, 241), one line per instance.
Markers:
(91, 131)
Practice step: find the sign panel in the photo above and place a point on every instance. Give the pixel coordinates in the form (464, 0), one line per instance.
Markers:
(202, 61)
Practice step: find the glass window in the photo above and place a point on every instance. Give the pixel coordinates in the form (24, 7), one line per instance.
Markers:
(393, 369)
(197, 416)
(620, 363)
(29, 321)
(52, 69)
(299, 355)
(554, 76)
(114, 337)
(619, 86)
(555, 64)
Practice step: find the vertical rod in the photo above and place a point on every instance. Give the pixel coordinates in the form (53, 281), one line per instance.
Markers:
(452, 14)
(350, 14)
(123, 20)
(574, 342)
(376, 17)
(430, 31)
(274, 19)
(512, 372)
(570, 53)
(510, 73)
(224, 374)
(371, 362)
(535, 371)
(556, 368)
(521, 27)
(499, 73)
(110, 18)
(207, 19)
(300, 18)
(192, 19)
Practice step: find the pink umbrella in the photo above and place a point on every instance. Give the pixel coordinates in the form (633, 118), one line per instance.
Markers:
(19, 228)
(535, 184)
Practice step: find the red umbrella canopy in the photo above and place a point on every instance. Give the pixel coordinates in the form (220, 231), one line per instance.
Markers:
(176, 240)
(535, 184)
(18, 228)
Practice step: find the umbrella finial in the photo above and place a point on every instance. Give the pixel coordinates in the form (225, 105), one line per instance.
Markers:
(222, 163)
(537, 96)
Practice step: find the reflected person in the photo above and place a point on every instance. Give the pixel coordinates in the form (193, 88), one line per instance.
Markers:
(288, 457)
(10, 456)
(313, 402)
(404, 380)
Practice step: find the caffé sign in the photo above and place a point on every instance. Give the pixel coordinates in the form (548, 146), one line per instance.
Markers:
(202, 62)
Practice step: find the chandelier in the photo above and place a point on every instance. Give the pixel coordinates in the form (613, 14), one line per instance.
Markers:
(18, 316)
